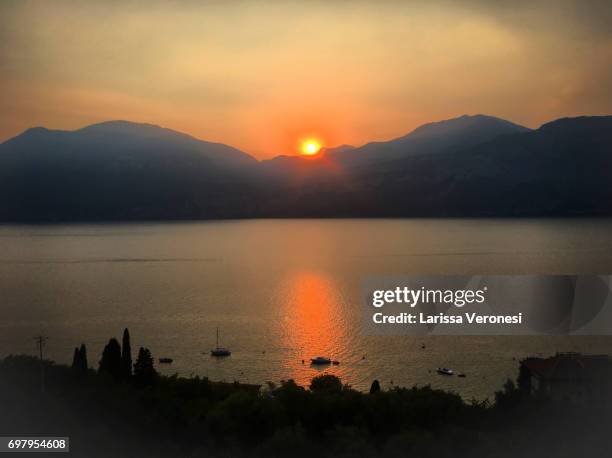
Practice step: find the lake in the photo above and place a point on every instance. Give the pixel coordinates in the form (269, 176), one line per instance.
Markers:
(280, 291)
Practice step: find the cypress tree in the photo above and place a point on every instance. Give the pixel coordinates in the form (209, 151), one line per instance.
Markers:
(83, 365)
(75, 359)
(144, 372)
(375, 387)
(126, 356)
(111, 359)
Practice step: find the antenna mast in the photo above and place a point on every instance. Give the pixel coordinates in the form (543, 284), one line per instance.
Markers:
(41, 341)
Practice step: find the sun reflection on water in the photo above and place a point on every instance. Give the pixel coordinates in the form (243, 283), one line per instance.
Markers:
(313, 325)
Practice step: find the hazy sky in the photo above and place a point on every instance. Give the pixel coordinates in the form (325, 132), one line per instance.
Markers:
(260, 75)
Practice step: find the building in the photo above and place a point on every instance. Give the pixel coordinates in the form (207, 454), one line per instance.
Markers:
(584, 380)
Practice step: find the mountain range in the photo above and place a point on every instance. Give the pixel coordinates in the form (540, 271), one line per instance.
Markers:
(467, 166)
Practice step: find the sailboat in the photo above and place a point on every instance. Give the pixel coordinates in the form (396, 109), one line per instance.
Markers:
(219, 351)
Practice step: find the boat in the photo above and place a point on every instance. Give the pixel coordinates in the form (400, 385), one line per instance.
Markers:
(445, 371)
(462, 375)
(336, 362)
(165, 360)
(320, 361)
(219, 351)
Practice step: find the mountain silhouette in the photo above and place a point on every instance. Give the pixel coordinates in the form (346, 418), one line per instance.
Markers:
(468, 166)
(337, 149)
(119, 170)
(432, 138)
(124, 137)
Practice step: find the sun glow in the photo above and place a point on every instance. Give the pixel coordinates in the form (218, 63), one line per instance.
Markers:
(311, 147)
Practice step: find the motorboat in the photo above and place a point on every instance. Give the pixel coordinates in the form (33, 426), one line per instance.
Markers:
(219, 351)
(445, 371)
(320, 361)
(165, 360)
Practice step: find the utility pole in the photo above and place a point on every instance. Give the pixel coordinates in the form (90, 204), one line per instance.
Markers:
(40, 341)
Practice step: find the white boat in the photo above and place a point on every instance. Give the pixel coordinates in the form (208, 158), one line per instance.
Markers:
(320, 360)
(445, 371)
(219, 351)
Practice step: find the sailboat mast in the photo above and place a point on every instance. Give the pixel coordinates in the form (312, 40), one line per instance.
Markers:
(217, 337)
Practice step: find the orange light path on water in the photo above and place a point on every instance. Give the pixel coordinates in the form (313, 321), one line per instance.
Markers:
(312, 327)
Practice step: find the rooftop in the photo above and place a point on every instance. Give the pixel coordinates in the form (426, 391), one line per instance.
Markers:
(569, 366)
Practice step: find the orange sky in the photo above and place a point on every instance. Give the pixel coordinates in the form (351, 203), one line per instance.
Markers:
(260, 75)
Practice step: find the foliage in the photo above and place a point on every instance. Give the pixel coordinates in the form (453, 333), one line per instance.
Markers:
(326, 384)
(156, 415)
(509, 396)
(79, 360)
(144, 371)
(111, 359)
(126, 356)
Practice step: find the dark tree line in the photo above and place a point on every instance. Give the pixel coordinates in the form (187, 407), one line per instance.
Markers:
(116, 362)
(197, 417)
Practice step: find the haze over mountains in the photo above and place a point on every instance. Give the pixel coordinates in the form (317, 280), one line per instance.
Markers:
(467, 166)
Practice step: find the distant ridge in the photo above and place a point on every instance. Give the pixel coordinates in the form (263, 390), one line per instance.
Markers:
(338, 149)
(466, 122)
(119, 135)
(431, 138)
(467, 166)
(580, 123)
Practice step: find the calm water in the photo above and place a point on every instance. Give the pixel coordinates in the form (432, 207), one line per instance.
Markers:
(280, 290)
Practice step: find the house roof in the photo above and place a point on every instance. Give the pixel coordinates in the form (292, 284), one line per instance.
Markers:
(566, 366)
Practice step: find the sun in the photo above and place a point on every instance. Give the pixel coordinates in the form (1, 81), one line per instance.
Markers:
(311, 147)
